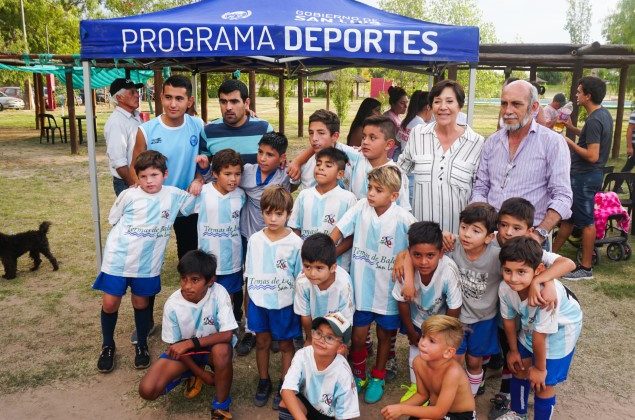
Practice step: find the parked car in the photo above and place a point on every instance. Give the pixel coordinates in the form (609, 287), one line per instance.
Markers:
(13, 91)
(9, 102)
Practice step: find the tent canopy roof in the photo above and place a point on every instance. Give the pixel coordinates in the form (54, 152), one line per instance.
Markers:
(211, 34)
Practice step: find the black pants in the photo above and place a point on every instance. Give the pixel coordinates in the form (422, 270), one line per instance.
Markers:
(186, 234)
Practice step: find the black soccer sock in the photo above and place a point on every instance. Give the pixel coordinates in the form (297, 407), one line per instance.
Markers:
(108, 323)
(151, 307)
(142, 323)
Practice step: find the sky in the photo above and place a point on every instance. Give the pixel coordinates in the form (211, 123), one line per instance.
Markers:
(536, 21)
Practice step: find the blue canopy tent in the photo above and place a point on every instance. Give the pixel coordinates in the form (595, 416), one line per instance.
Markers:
(286, 38)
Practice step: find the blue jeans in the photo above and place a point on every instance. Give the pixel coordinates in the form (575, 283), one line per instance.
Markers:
(584, 186)
(118, 185)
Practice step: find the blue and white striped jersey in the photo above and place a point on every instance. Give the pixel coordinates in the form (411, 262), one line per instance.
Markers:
(183, 319)
(271, 268)
(318, 213)
(562, 325)
(331, 391)
(219, 227)
(436, 298)
(309, 300)
(142, 224)
(376, 242)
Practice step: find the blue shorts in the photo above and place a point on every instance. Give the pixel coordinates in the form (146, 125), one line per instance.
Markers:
(387, 322)
(117, 285)
(231, 282)
(557, 369)
(584, 186)
(283, 324)
(480, 339)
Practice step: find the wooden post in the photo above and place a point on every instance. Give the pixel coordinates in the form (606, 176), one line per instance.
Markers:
(42, 103)
(577, 74)
(37, 91)
(203, 80)
(328, 95)
(252, 90)
(356, 90)
(281, 100)
(532, 74)
(300, 106)
(158, 88)
(72, 122)
(27, 94)
(621, 96)
(453, 72)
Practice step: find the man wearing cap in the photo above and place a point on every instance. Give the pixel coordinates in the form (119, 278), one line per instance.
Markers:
(120, 131)
(550, 111)
(320, 384)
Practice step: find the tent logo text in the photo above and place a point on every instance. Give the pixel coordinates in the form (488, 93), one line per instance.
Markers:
(238, 14)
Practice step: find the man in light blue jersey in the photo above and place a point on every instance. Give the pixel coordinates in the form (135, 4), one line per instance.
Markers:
(178, 137)
(237, 129)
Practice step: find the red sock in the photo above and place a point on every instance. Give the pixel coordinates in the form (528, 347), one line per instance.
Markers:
(359, 363)
(379, 374)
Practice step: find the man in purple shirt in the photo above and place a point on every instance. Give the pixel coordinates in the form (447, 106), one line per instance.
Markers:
(525, 159)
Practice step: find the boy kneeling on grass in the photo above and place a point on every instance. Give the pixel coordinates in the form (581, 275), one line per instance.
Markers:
(198, 324)
(319, 384)
(443, 390)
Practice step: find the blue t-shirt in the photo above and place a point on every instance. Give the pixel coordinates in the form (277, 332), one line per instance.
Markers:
(243, 139)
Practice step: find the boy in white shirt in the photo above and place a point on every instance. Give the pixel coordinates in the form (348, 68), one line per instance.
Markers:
(192, 343)
(271, 267)
(323, 287)
(142, 220)
(437, 291)
(540, 355)
(218, 207)
(318, 208)
(379, 228)
(319, 383)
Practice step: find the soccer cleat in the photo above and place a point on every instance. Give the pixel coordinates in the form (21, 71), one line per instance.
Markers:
(481, 387)
(275, 403)
(410, 391)
(262, 392)
(193, 387)
(142, 357)
(218, 414)
(500, 406)
(579, 274)
(360, 383)
(246, 344)
(391, 369)
(106, 362)
(374, 390)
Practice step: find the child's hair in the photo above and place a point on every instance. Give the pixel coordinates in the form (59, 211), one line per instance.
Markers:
(480, 212)
(277, 141)
(366, 109)
(335, 155)
(224, 158)
(425, 233)
(199, 262)
(385, 125)
(275, 198)
(521, 249)
(319, 247)
(418, 101)
(329, 118)
(388, 176)
(448, 326)
(395, 93)
(518, 208)
(150, 159)
(231, 85)
(179, 81)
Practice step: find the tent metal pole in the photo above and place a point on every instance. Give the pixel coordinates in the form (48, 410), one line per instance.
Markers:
(430, 81)
(92, 164)
(471, 94)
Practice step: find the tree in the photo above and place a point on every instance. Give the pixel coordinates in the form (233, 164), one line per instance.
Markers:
(410, 8)
(619, 28)
(579, 21)
(134, 7)
(342, 92)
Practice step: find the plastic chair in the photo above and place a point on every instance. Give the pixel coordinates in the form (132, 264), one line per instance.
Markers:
(48, 125)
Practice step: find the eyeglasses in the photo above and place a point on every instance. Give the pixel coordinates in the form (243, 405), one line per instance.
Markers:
(328, 339)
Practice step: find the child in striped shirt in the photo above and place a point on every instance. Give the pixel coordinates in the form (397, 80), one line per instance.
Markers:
(218, 208)
(323, 287)
(271, 267)
(379, 228)
(142, 220)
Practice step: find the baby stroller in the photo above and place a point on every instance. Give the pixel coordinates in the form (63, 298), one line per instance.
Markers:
(612, 223)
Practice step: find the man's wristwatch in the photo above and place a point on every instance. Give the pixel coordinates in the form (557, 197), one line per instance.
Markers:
(542, 233)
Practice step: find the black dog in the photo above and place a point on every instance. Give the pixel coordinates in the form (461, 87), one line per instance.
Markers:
(33, 241)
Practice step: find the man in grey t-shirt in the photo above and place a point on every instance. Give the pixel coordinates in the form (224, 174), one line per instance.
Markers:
(588, 158)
